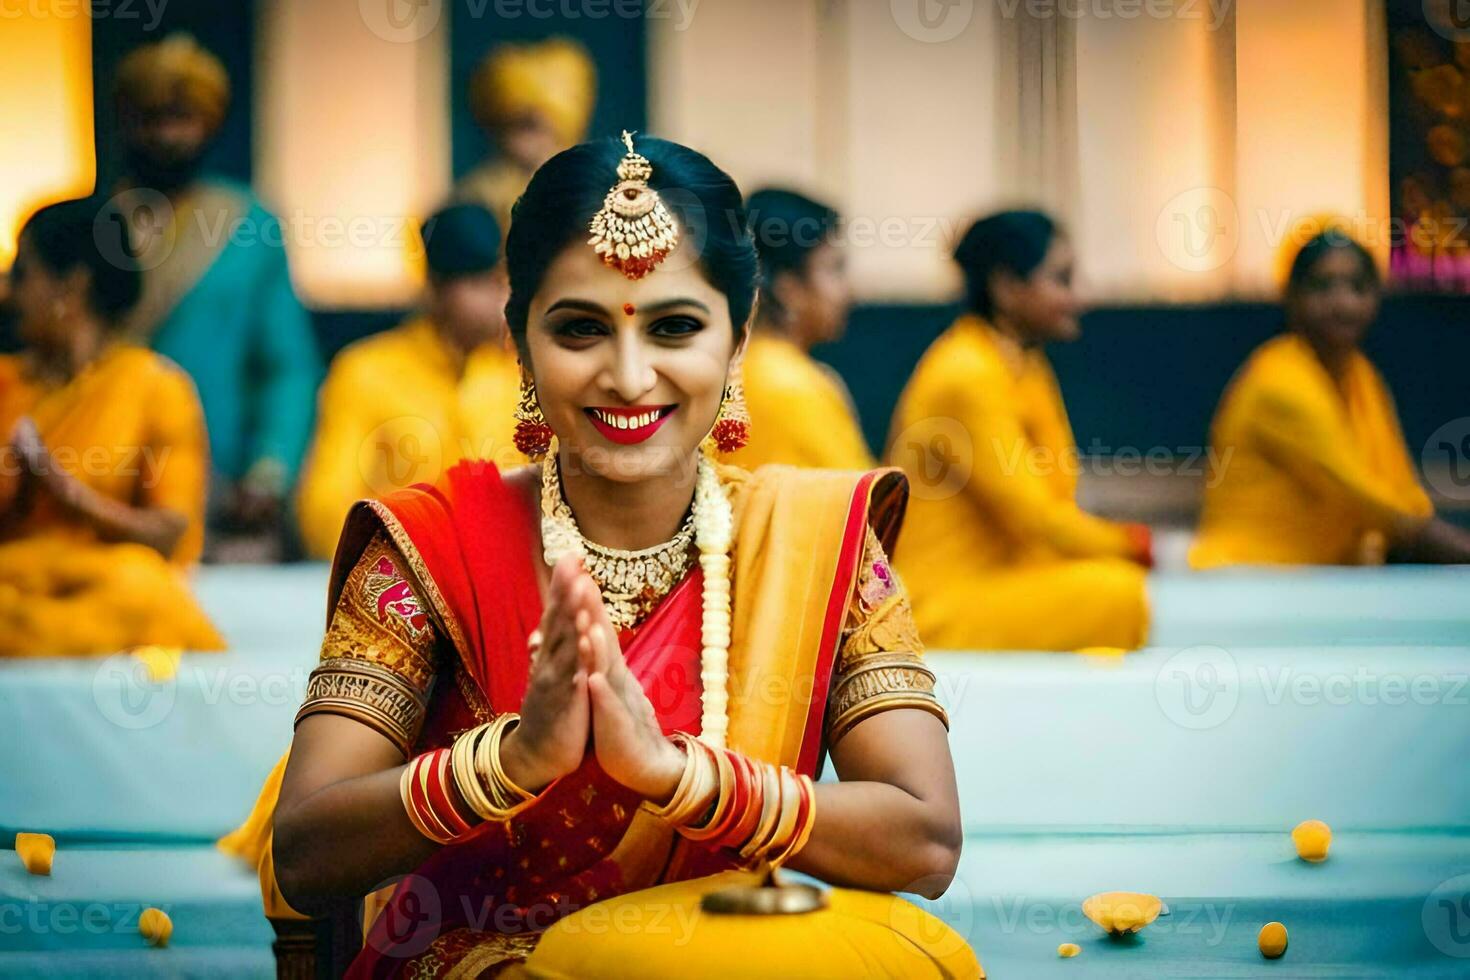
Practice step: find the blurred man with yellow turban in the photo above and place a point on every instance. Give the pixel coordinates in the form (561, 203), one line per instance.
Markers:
(533, 101)
(403, 406)
(997, 554)
(800, 411)
(1314, 467)
(217, 295)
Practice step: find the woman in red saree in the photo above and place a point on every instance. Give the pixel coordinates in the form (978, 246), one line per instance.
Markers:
(621, 667)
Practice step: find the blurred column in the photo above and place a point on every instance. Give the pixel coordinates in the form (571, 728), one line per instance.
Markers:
(1154, 116)
(352, 140)
(879, 108)
(45, 111)
(1312, 100)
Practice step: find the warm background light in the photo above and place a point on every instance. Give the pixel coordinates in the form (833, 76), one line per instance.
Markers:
(352, 146)
(1176, 148)
(45, 112)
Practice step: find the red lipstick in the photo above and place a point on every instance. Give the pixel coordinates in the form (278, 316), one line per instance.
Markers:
(630, 424)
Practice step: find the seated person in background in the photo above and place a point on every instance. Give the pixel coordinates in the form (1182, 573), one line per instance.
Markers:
(800, 411)
(998, 554)
(217, 296)
(533, 101)
(104, 459)
(401, 407)
(1313, 468)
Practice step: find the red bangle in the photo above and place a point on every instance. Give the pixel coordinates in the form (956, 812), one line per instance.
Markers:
(749, 819)
(441, 797)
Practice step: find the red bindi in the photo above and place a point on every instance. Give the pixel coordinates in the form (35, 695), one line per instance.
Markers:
(629, 309)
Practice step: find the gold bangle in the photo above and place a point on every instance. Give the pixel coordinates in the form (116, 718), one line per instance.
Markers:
(724, 799)
(697, 785)
(462, 763)
(513, 794)
(770, 810)
(785, 831)
(505, 799)
(804, 830)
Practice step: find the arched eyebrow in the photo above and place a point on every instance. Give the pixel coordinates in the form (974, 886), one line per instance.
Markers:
(652, 309)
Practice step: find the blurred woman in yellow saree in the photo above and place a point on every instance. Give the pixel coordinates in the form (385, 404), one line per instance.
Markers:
(102, 476)
(998, 554)
(623, 666)
(1313, 466)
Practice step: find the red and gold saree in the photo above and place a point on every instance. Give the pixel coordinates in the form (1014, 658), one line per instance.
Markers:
(472, 543)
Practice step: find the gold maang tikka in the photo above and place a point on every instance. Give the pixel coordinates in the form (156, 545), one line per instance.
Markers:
(633, 232)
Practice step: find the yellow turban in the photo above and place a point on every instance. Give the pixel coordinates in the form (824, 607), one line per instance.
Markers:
(1302, 231)
(174, 70)
(555, 77)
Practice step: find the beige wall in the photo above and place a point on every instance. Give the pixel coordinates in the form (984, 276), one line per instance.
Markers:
(46, 151)
(1313, 110)
(1174, 146)
(352, 143)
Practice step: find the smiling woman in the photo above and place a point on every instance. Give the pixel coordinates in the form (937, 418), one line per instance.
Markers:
(642, 655)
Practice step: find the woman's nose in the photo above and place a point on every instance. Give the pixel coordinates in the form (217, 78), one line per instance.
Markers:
(631, 374)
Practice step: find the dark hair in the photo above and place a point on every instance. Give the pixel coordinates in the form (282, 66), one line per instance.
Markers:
(1318, 247)
(1014, 241)
(787, 227)
(461, 240)
(568, 190)
(91, 234)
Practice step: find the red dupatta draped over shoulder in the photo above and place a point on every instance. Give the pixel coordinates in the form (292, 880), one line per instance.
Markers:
(472, 541)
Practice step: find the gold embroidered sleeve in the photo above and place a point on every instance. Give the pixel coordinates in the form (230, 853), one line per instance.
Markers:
(378, 656)
(880, 665)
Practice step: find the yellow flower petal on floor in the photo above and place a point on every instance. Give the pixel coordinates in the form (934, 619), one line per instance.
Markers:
(1312, 839)
(1068, 950)
(1122, 912)
(161, 663)
(1272, 940)
(156, 926)
(35, 852)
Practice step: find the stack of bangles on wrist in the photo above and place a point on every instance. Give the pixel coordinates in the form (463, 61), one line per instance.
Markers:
(762, 811)
(472, 764)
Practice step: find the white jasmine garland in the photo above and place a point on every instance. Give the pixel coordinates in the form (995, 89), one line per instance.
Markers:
(713, 521)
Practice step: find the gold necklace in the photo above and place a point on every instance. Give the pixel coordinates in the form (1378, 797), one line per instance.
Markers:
(631, 582)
